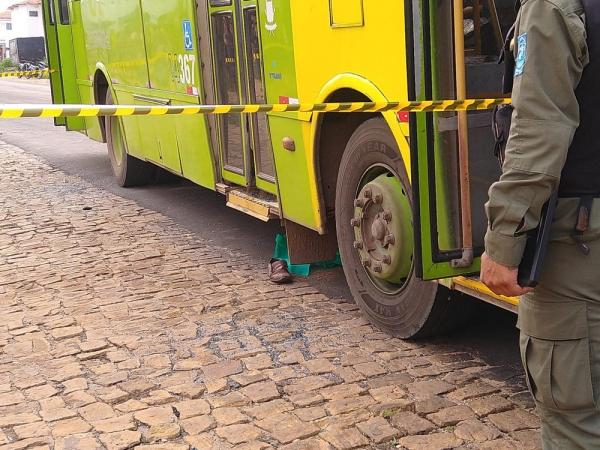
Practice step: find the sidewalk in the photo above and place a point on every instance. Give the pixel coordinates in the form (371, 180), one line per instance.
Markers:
(120, 330)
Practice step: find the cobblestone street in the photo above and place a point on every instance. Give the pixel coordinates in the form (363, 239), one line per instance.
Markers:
(120, 330)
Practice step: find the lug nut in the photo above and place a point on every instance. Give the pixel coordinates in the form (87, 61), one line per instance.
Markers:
(378, 199)
(366, 262)
(355, 222)
(387, 259)
(368, 193)
(359, 203)
(387, 216)
(358, 245)
(389, 240)
(378, 268)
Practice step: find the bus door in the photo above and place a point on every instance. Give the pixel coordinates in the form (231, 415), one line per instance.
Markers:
(453, 50)
(61, 58)
(244, 143)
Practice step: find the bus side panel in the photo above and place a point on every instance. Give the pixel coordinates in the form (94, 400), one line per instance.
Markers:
(49, 13)
(171, 45)
(369, 43)
(68, 64)
(194, 150)
(149, 127)
(174, 69)
(114, 39)
(84, 78)
(298, 203)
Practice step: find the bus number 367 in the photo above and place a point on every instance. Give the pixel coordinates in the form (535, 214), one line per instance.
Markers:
(183, 68)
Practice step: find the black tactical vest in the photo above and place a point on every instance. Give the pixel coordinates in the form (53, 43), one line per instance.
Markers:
(581, 173)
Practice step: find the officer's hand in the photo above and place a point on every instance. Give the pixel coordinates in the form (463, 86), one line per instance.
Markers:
(500, 279)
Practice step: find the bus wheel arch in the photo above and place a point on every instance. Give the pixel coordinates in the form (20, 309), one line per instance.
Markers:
(333, 131)
(101, 87)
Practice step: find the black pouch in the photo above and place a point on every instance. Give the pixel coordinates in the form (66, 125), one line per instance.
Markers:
(503, 114)
(501, 121)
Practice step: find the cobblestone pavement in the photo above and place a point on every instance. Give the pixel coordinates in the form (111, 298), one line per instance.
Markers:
(119, 330)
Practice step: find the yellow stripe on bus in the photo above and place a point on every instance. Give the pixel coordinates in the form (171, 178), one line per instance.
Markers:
(18, 111)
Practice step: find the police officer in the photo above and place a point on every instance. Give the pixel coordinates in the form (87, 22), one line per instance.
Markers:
(554, 143)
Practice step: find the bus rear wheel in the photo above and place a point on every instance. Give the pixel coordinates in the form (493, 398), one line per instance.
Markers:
(128, 170)
(375, 236)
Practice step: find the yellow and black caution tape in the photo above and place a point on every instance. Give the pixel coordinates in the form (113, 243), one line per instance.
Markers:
(53, 111)
(25, 73)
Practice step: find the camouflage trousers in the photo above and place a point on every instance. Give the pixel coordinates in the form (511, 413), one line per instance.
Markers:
(560, 346)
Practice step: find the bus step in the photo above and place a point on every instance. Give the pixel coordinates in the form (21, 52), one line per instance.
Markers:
(475, 288)
(254, 205)
(223, 188)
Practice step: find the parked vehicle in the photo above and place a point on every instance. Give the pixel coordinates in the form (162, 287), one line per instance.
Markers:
(400, 195)
(25, 69)
(40, 67)
(31, 49)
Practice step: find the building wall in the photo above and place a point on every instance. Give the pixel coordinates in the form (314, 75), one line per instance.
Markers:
(26, 26)
(5, 35)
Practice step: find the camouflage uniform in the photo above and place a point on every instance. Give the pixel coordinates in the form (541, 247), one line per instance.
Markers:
(560, 320)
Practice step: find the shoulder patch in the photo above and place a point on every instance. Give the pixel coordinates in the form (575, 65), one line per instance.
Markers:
(521, 54)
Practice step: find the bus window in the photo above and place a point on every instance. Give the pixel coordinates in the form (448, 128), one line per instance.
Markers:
(51, 18)
(228, 90)
(262, 140)
(64, 12)
(483, 36)
(485, 24)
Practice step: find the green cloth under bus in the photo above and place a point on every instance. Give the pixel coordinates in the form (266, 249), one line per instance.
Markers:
(301, 270)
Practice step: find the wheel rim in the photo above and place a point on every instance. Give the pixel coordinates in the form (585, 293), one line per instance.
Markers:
(383, 230)
(117, 147)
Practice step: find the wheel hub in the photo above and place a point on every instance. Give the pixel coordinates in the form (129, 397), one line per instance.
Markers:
(379, 229)
(383, 229)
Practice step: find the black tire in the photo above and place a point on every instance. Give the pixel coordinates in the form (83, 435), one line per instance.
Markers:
(417, 309)
(128, 170)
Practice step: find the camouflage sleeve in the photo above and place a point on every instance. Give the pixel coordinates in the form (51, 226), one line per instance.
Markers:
(551, 53)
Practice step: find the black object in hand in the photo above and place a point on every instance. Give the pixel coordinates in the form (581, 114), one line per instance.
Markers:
(530, 268)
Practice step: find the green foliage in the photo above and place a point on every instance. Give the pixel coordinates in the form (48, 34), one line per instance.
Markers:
(7, 65)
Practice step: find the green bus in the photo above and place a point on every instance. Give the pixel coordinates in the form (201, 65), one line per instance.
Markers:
(400, 195)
